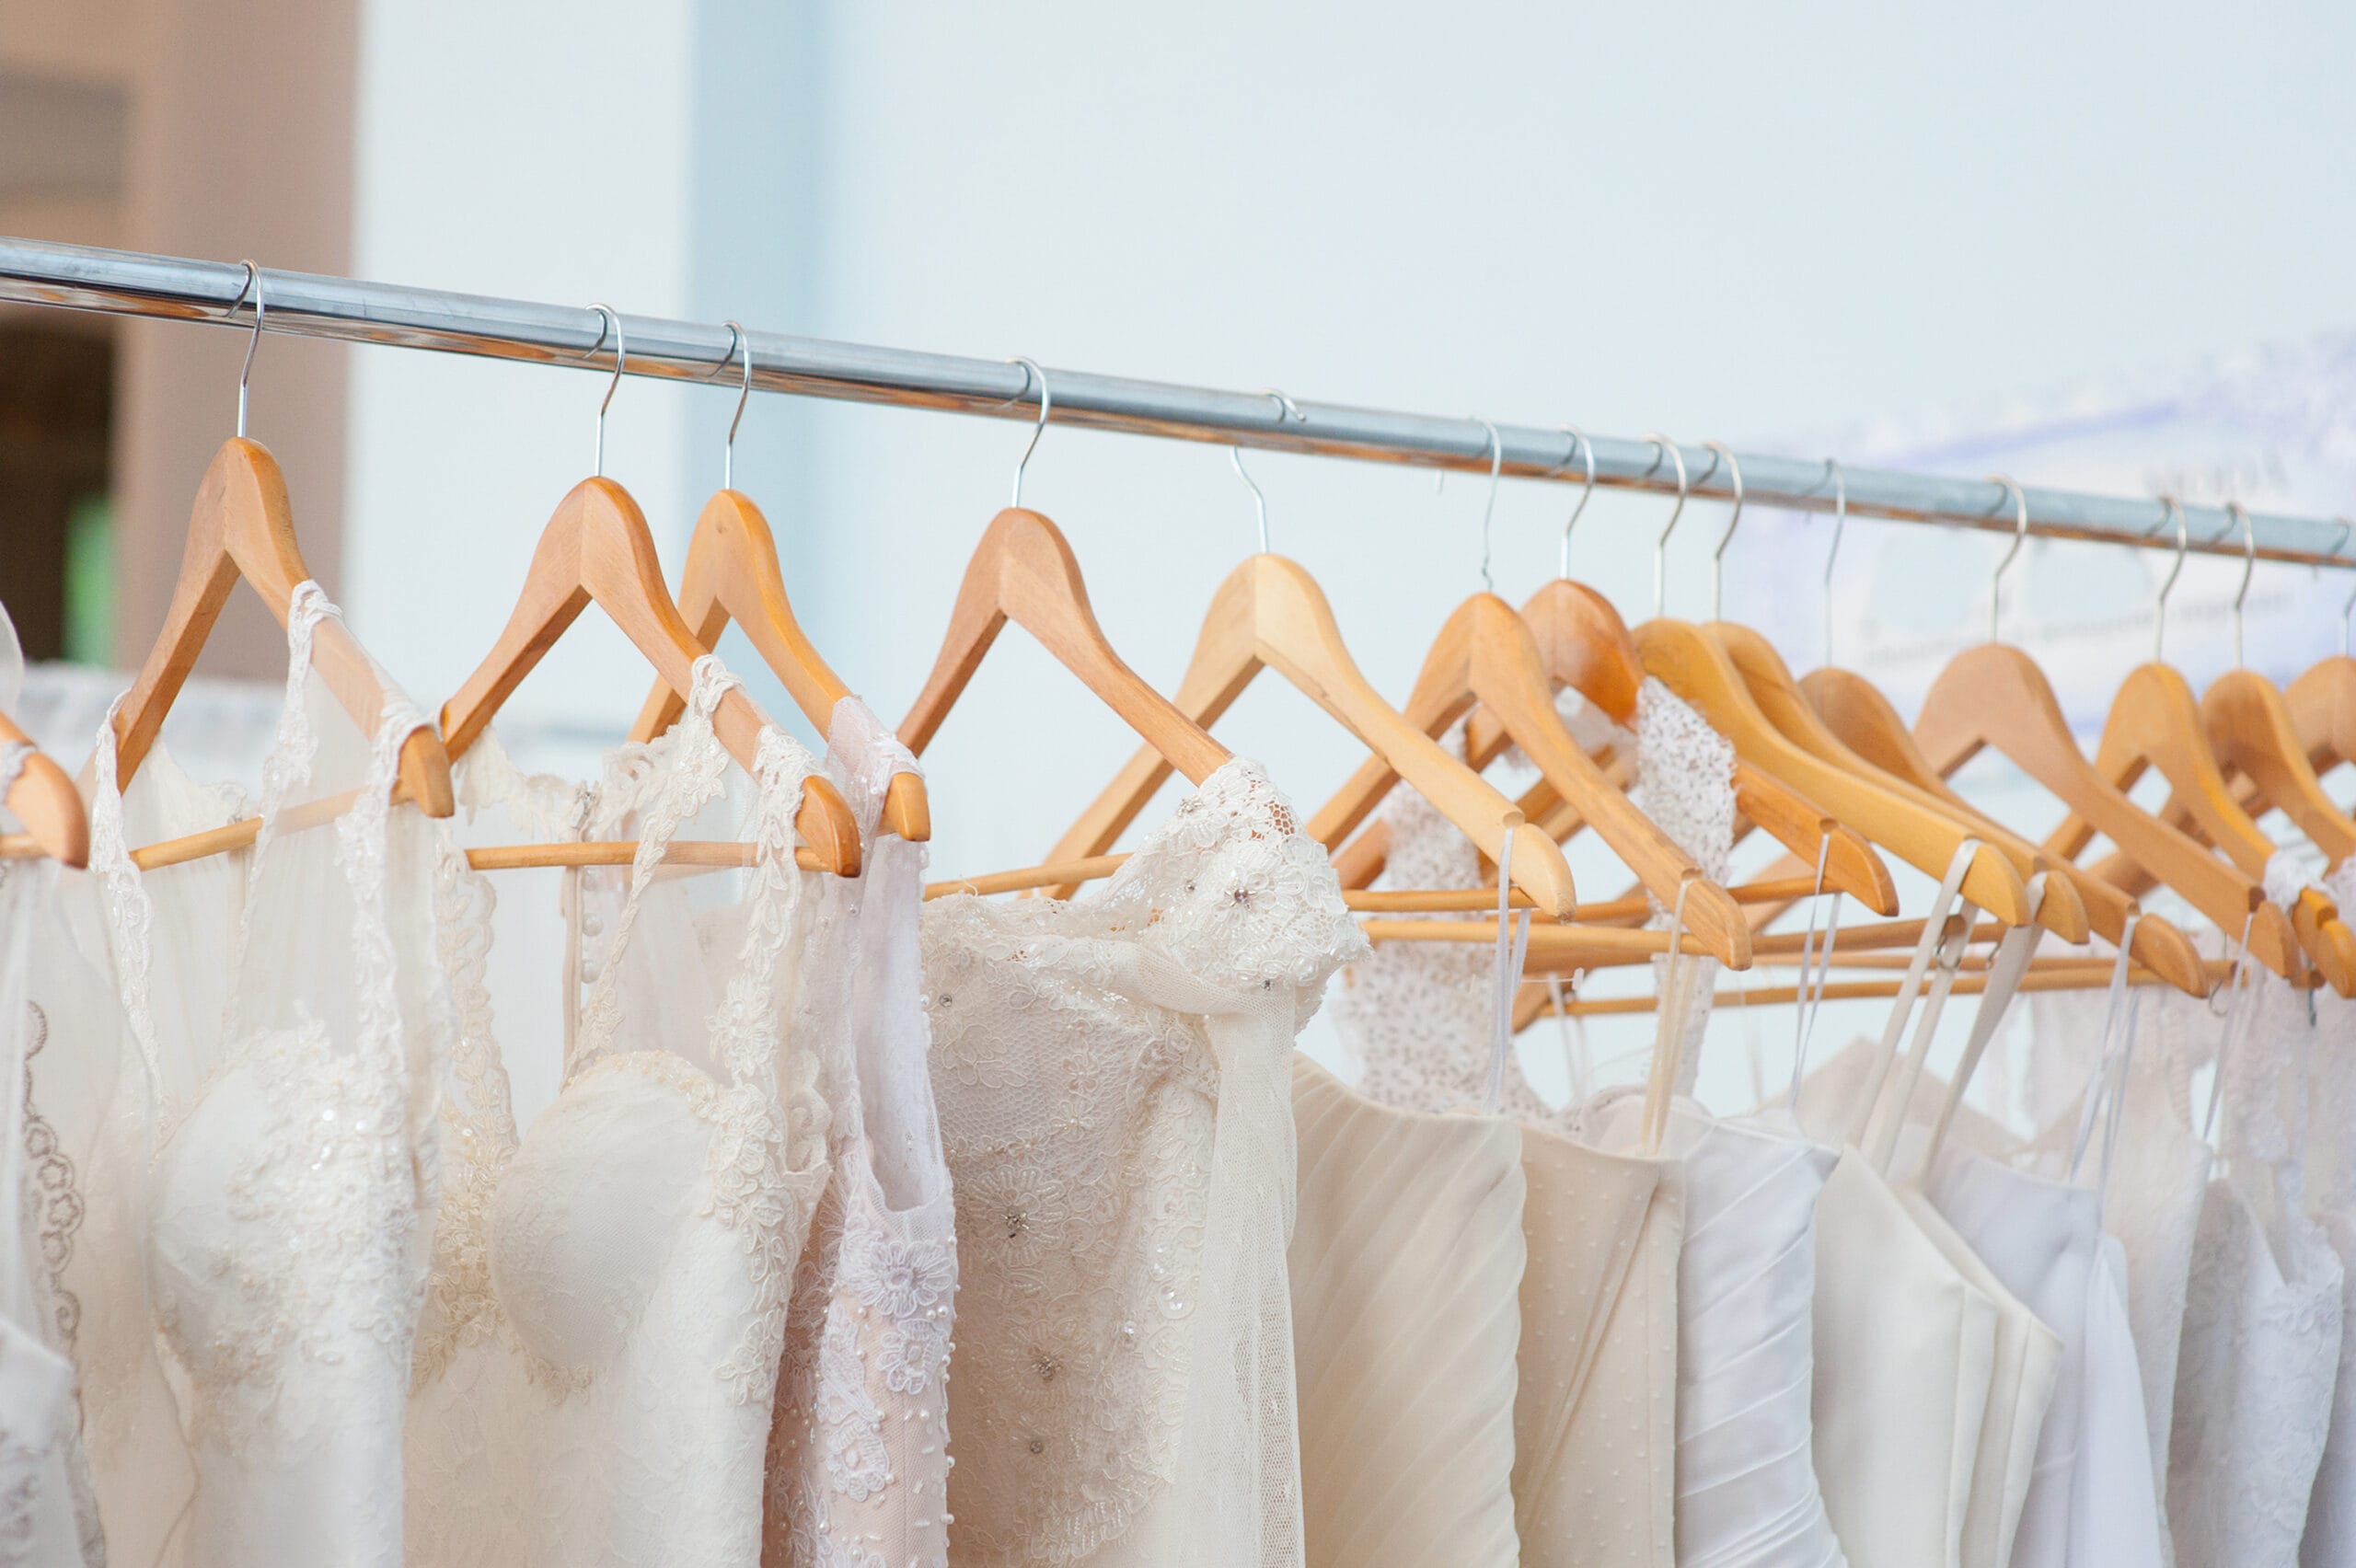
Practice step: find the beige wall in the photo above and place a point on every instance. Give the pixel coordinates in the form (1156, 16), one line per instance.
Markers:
(234, 139)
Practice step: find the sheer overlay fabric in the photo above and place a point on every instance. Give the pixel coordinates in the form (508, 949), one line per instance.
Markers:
(595, 1374)
(859, 1449)
(2330, 1539)
(262, 1194)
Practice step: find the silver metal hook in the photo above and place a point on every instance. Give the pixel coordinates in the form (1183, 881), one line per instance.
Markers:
(1496, 466)
(2236, 510)
(1840, 524)
(2160, 605)
(736, 339)
(246, 371)
(1718, 555)
(1285, 409)
(1031, 373)
(1580, 445)
(2348, 608)
(1663, 446)
(621, 357)
(2020, 532)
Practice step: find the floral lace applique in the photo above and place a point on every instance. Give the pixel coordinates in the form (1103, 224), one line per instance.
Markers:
(52, 1199)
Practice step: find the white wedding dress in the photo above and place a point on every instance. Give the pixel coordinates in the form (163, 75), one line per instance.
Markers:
(858, 1444)
(1114, 1076)
(2261, 1346)
(269, 1229)
(594, 1372)
(48, 1516)
(2330, 1539)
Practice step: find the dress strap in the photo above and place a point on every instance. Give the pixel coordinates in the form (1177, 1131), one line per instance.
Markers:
(1910, 988)
(130, 914)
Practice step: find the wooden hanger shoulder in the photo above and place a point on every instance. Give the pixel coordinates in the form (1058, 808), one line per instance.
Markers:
(44, 799)
(2322, 705)
(1697, 669)
(243, 525)
(732, 573)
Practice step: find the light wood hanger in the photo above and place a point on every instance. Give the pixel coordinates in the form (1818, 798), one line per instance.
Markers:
(2155, 722)
(1857, 712)
(1484, 654)
(1993, 695)
(44, 799)
(1691, 663)
(1269, 614)
(1023, 570)
(243, 527)
(2251, 730)
(597, 550)
(732, 573)
(1586, 646)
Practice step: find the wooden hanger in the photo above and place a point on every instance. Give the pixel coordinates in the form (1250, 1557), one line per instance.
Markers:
(597, 550)
(1586, 646)
(242, 528)
(44, 799)
(1484, 654)
(2155, 722)
(2321, 702)
(1270, 613)
(1857, 712)
(2251, 730)
(732, 572)
(1691, 663)
(1779, 696)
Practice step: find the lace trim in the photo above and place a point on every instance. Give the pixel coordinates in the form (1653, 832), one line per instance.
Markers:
(130, 914)
(54, 1199)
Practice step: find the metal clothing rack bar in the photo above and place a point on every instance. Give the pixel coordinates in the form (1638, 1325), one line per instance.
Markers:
(136, 283)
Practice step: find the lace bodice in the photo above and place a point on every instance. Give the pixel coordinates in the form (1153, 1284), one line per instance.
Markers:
(2260, 1347)
(285, 1009)
(1114, 1081)
(859, 1447)
(610, 1289)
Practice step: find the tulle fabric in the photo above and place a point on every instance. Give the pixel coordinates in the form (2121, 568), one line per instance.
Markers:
(2330, 1539)
(594, 1379)
(259, 1155)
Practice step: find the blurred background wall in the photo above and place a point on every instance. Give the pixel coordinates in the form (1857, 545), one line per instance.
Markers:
(1744, 223)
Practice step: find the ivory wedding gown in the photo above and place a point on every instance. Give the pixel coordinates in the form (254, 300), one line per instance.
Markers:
(596, 1368)
(1595, 1412)
(859, 1446)
(269, 1230)
(1114, 1077)
(48, 1517)
(1406, 1264)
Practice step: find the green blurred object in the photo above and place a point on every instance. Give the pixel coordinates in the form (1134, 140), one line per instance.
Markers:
(90, 582)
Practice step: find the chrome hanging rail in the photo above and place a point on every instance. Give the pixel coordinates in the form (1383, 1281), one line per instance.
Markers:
(126, 282)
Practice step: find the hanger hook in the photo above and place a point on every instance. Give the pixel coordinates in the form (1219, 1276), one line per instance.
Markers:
(2020, 532)
(1581, 446)
(1718, 555)
(2183, 543)
(1663, 447)
(2240, 514)
(1032, 375)
(2349, 605)
(1496, 466)
(737, 342)
(607, 317)
(245, 371)
(1285, 409)
(1840, 524)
